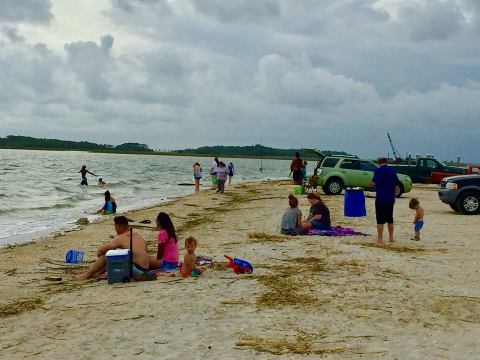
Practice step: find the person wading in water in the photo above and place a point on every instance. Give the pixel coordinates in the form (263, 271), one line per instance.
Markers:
(84, 172)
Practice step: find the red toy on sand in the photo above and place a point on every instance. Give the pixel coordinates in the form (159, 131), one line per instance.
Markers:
(239, 266)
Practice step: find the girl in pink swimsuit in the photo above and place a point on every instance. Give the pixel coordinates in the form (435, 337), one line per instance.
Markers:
(167, 253)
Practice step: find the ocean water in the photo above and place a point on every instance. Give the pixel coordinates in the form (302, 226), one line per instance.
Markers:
(40, 191)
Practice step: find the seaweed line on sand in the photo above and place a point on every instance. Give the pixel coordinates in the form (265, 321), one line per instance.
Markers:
(235, 302)
(234, 199)
(20, 306)
(459, 308)
(263, 237)
(291, 278)
(217, 265)
(401, 249)
(302, 344)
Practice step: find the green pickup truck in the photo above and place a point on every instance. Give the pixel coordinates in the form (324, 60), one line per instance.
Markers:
(427, 170)
(335, 173)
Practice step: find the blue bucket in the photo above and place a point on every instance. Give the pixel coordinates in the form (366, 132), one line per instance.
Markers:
(354, 203)
(74, 256)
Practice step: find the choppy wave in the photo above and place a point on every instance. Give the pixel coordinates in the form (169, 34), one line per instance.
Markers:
(36, 208)
(61, 189)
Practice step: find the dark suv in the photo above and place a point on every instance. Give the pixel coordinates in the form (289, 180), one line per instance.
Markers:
(462, 193)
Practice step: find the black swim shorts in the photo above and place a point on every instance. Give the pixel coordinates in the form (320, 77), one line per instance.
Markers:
(297, 175)
(384, 213)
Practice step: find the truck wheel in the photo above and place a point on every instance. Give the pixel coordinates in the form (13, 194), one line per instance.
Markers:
(333, 186)
(398, 190)
(454, 207)
(469, 203)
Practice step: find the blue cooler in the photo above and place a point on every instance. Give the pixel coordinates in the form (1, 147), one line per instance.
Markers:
(118, 266)
(354, 203)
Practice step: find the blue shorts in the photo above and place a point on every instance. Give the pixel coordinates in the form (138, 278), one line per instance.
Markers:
(418, 225)
(318, 225)
(138, 270)
(167, 265)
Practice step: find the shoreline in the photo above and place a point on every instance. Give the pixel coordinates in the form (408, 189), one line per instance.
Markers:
(346, 297)
(74, 225)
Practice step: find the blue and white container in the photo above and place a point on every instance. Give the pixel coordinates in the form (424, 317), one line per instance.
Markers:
(74, 256)
(118, 266)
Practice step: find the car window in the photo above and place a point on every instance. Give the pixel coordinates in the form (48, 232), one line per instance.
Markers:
(367, 166)
(350, 164)
(330, 162)
(431, 164)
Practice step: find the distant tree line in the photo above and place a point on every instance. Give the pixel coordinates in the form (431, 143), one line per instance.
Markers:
(27, 142)
(254, 151)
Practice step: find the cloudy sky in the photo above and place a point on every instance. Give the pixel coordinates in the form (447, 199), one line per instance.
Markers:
(330, 74)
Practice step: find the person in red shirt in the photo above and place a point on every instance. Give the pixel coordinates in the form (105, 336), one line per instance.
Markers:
(296, 169)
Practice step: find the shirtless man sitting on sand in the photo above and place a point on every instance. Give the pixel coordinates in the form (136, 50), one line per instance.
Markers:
(121, 241)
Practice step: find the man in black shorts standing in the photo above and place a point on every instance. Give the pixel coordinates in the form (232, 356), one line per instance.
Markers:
(84, 173)
(384, 181)
(296, 169)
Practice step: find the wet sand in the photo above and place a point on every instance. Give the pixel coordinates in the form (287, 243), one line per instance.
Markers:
(310, 296)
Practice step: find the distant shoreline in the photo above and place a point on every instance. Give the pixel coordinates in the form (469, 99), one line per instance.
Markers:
(160, 153)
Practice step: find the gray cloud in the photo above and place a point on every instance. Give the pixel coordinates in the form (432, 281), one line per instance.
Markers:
(27, 73)
(433, 20)
(240, 10)
(92, 64)
(29, 11)
(106, 43)
(324, 74)
(12, 34)
(143, 13)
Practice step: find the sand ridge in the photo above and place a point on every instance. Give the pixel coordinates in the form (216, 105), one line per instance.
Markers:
(309, 297)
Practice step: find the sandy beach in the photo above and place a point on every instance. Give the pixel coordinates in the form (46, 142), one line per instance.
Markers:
(309, 296)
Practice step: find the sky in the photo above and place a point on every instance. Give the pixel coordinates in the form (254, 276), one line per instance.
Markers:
(175, 74)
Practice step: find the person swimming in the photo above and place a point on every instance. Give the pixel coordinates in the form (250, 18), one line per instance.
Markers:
(102, 183)
(84, 172)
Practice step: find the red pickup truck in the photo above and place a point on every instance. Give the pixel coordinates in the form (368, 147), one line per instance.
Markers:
(437, 176)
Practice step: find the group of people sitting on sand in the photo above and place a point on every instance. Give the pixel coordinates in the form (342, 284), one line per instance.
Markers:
(167, 257)
(318, 216)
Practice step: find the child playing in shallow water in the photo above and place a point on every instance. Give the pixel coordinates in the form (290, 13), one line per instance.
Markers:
(418, 219)
(189, 267)
(101, 183)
